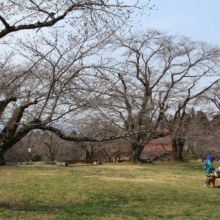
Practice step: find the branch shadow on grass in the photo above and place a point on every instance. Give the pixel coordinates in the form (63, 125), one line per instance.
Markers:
(119, 208)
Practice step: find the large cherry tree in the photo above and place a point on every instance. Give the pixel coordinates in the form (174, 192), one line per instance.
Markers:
(49, 52)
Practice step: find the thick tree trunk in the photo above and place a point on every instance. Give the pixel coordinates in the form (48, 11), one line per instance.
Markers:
(180, 145)
(2, 159)
(177, 148)
(87, 155)
(174, 149)
(136, 153)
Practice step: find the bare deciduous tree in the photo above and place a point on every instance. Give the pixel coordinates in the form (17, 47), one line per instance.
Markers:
(44, 77)
(34, 14)
(160, 74)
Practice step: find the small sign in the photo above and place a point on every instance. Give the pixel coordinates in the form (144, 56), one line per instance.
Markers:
(29, 150)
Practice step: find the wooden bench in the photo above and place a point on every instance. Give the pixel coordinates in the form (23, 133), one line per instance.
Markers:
(121, 160)
(212, 180)
(142, 160)
(95, 161)
(146, 161)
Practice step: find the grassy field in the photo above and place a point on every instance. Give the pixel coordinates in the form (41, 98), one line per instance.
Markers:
(160, 190)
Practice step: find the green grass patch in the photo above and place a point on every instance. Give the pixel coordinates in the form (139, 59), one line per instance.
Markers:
(162, 190)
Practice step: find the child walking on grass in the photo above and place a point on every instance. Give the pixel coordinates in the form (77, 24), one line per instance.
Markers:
(209, 169)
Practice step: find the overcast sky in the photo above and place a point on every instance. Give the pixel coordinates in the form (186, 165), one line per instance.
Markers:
(198, 19)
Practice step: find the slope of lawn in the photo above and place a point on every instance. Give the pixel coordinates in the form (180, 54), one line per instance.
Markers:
(162, 190)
